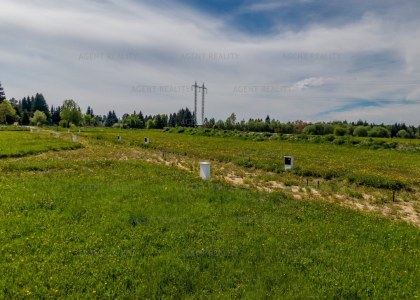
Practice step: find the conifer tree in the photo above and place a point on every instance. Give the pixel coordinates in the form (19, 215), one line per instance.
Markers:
(2, 94)
(40, 104)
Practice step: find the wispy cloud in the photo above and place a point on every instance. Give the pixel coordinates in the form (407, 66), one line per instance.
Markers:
(311, 82)
(271, 5)
(98, 53)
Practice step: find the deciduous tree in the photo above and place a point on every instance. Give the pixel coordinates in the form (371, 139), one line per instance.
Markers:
(70, 113)
(6, 110)
(39, 118)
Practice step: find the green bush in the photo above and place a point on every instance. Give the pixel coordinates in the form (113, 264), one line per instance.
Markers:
(340, 141)
(340, 131)
(180, 129)
(329, 137)
(379, 132)
(403, 134)
(360, 131)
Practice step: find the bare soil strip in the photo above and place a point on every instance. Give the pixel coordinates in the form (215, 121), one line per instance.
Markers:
(406, 206)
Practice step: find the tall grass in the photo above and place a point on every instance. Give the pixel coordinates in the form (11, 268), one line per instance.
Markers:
(103, 228)
(383, 168)
(17, 144)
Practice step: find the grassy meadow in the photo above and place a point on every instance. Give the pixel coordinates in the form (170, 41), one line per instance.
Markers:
(383, 168)
(92, 222)
(15, 144)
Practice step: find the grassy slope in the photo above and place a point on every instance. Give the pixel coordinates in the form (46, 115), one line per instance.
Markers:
(375, 167)
(15, 144)
(131, 229)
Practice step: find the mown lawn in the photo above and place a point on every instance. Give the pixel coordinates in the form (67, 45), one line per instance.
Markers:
(102, 228)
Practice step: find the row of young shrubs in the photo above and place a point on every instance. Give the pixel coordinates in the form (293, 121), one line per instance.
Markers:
(359, 179)
(370, 180)
(265, 136)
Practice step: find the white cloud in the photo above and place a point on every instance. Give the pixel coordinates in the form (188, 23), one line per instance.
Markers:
(271, 5)
(98, 52)
(400, 114)
(311, 82)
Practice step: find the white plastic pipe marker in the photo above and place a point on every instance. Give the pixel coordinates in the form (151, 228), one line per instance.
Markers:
(205, 170)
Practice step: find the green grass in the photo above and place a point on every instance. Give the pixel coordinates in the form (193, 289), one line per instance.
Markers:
(102, 228)
(13, 128)
(383, 168)
(16, 144)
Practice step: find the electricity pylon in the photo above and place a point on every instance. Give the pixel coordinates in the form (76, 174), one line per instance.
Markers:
(203, 89)
(195, 86)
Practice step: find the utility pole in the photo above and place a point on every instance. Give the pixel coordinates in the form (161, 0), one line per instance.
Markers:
(203, 89)
(195, 86)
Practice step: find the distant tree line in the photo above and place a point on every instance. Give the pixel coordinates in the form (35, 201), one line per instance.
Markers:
(34, 110)
(338, 128)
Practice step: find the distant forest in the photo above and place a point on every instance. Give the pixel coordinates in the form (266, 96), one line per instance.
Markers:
(34, 110)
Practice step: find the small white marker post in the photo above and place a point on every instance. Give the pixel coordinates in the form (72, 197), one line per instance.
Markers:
(146, 141)
(57, 135)
(120, 138)
(74, 137)
(205, 170)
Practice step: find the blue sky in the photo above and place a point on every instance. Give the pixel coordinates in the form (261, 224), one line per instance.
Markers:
(313, 60)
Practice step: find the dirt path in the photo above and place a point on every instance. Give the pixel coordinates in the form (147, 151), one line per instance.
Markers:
(406, 206)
